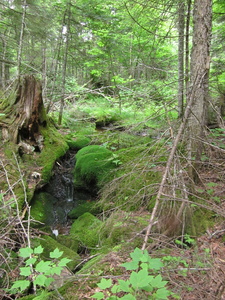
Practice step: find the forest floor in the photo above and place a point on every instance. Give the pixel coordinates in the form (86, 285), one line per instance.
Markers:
(195, 270)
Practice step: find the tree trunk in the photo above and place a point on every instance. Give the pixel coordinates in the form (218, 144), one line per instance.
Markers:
(19, 56)
(187, 52)
(181, 23)
(65, 63)
(200, 62)
(24, 115)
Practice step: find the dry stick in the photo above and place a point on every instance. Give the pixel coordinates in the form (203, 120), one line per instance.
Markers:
(169, 161)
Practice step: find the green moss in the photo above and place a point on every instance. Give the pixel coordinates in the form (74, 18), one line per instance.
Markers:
(69, 242)
(199, 220)
(78, 142)
(93, 265)
(42, 208)
(83, 208)
(49, 244)
(86, 230)
(55, 146)
(93, 166)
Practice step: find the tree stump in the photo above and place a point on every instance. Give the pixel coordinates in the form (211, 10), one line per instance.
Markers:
(23, 115)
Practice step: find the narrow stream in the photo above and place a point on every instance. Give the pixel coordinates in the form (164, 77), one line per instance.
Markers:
(61, 188)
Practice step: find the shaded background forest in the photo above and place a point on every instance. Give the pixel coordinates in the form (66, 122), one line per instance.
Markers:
(122, 49)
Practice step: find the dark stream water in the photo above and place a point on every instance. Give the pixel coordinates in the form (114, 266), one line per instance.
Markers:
(61, 188)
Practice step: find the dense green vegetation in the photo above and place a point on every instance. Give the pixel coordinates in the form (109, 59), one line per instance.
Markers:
(116, 80)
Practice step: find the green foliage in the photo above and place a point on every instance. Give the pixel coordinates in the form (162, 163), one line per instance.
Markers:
(186, 241)
(141, 282)
(36, 271)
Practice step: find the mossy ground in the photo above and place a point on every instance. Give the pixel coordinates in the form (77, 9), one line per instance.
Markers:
(115, 233)
(93, 166)
(42, 208)
(86, 229)
(50, 244)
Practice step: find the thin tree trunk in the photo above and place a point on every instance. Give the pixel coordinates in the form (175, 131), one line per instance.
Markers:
(181, 25)
(3, 68)
(20, 48)
(44, 74)
(65, 64)
(187, 52)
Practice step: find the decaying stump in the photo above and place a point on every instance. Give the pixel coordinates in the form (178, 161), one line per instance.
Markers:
(24, 115)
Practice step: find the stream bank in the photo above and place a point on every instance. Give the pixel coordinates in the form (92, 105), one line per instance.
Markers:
(58, 202)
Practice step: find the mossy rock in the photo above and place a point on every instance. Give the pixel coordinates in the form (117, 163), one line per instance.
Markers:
(82, 208)
(77, 142)
(86, 229)
(93, 166)
(42, 208)
(50, 244)
(69, 242)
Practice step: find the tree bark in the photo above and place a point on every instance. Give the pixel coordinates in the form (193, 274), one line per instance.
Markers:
(200, 63)
(187, 52)
(181, 24)
(19, 56)
(65, 63)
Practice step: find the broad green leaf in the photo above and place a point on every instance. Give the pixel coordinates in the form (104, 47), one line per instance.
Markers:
(55, 270)
(56, 253)
(99, 296)
(158, 282)
(148, 288)
(137, 254)
(162, 294)
(25, 252)
(124, 285)
(21, 284)
(31, 261)
(64, 261)
(40, 280)
(43, 266)
(48, 281)
(38, 250)
(140, 279)
(25, 271)
(105, 283)
(155, 264)
(115, 289)
(144, 266)
(128, 297)
(132, 265)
